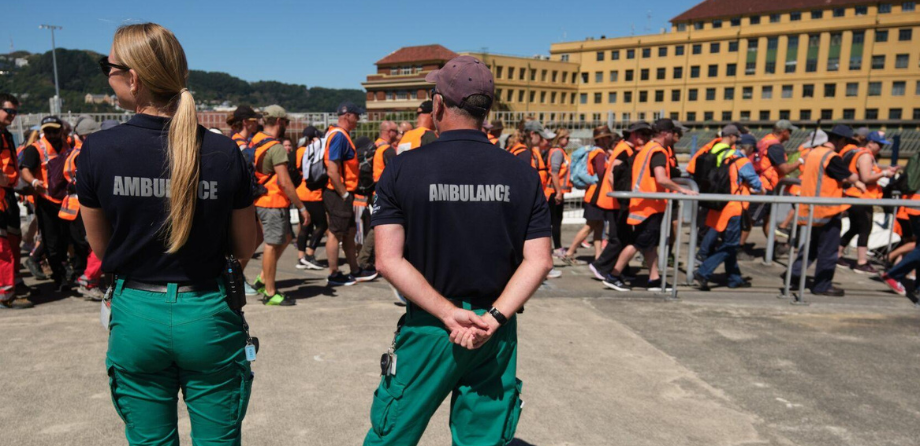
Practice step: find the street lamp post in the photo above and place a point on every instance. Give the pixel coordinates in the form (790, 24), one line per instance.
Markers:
(56, 102)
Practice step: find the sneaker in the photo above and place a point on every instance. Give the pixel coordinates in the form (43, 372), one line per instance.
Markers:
(865, 268)
(597, 274)
(586, 245)
(655, 286)
(560, 253)
(279, 300)
(35, 269)
(554, 274)
(743, 284)
(15, 304)
(311, 263)
(572, 261)
(259, 285)
(23, 290)
(843, 263)
(299, 264)
(702, 283)
(895, 286)
(783, 232)
(780, 250)
(91, 294)
(249, 290)
(339, 279)
(365, 275)
(832, 292)
(615, 283)
(62, 287)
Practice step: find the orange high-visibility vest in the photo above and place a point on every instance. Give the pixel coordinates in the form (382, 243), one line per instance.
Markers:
(908, 212)
(769, 176)
(411, 140)
(597, 192)
(275, 197)
(8, 166)
(243, 143)
(872, 190)
(70, 205)
(719, 219)
(565, 182)
(492, 139)
(303, 192)
(761, 160)
(47, 153)
(816, 183)
(643, 179)
(536, 160)
(380, 162)
(349, 171)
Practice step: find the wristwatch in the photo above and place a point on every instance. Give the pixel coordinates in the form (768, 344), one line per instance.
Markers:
(499, 317)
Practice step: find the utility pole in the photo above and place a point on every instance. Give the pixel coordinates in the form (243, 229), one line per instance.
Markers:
(56, 102)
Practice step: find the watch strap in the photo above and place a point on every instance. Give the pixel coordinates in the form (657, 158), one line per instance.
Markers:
(499, 317)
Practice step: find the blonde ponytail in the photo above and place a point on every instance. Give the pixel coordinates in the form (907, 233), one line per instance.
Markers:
(154, 53)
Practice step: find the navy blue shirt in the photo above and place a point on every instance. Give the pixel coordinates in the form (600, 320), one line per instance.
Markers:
(124, 171)
(340, 149)
(467, 210)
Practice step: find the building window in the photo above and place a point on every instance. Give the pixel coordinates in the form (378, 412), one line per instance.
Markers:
(697, 49)
(707, 116)
(629, 75)
(884, 8)
(615, 55)
(394, 71)
(510, 96)
(900, 61)
(660, 73)
(856, 50)
(543, 76)
(729, 94)
(808, 90)
(751, 65)
(898, 88)
(614, 76)
(498, 71)
(727, 116)
(627, 96)
(584, 78)
(754, 20)
(830, 90)
(659, 95)
(916, 114)
(839, 12)
(691, 94)
(630, 54)
(904, 35)
(521, 75)
(736, 21)
(811, 62)
(691, 116)
(747, 93)
(878, 62)
(872, 113)
(646, 53)
(521, 97)
(774, 18)
(597, 98)
(733, 46)
(710, 94)
(675, 95)
(849, 113)
(917, 90)
(787, 91)
(716, 24)
(542, 97)
(564, 57)
(552, 97)
(731, 69)
(714, 48)
(817, 14)
(784, 114)
(833, 54)
(908, 6)
(598, 77)
(804, 115)
(713, 71)
(852, 89)
(881, 36)
(764, 115)
(697, 25)
(662, 51)
(555, 75)
(643, 74)
(533, 97)
(894, 113)
(678, 72)
(795, 16)
(583, 98)
(861, 10)
(600, 56)
(573, 98)
(612, 97)
(533, 74)
(679, 50)
(875, 88)
(694, 72)
(792, 53)
(674, 116)
(565, 76)
(766, 92)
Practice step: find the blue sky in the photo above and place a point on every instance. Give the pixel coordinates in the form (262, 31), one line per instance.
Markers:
(328, 44)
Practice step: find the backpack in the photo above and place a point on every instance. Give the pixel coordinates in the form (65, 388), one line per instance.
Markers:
(314, 163)
(294, 172)
(908, 180)
(706, 164)
(719, 182)
(57, 184)
(579, 168)
(365, 154)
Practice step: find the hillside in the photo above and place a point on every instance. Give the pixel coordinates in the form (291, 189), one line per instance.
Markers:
(78, 73)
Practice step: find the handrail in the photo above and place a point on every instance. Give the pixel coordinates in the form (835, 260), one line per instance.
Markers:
(694, 229)
(780, 189)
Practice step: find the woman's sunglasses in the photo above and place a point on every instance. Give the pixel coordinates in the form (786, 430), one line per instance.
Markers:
(107, 66)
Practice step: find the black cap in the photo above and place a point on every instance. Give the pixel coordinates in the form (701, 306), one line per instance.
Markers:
(311, 132)
(666, 125)
(424, 107)
(635, 127)
(51, 122)
(245, 113)
(844, 131)
(348, 107)
(741, 127)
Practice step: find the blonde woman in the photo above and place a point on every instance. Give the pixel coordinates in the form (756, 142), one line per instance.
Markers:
(557, 162)
(163, 201)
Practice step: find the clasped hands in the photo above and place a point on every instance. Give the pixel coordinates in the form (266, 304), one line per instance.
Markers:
(468, 329)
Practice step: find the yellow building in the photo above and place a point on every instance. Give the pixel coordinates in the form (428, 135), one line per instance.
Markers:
(757, 61)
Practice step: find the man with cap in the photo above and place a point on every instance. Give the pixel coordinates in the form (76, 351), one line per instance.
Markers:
(270, 162)
(651, 172)
(342, 167)
(594, 215)
(426, 242)
(772, 164)
(727, 222)
(248, 121)
(862, 162)
(495, 131)
(383, 155)
(34, 170)
(422, 134)
(9, 209)
(538, 140)
(823, 175)
(617, 178)
(83, 127)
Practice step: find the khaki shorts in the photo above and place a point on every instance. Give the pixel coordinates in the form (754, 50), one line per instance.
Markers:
(276, 225)
(341, 212)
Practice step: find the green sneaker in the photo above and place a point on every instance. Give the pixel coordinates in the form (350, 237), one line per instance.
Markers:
(279, 300)
(259, 285)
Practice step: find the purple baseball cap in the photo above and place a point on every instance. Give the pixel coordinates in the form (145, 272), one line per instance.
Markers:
(462, 77)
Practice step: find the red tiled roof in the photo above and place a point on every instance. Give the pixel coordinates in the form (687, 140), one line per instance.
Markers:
(711, 9)
(418, 54)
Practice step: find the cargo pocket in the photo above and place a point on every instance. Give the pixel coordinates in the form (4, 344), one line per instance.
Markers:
(515, 415)
(245, 391)
(113, 389)
(385, 409)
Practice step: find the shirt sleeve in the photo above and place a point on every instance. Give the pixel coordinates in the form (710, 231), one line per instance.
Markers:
(388, 155)
(30, 159)
(86, 184)
(837, 170)
(599, 164)
(539, 225)
(428, 137)
(387, 210)
(555, 162)
(525, 156)
(749, 176)
(242, 199)
(776, 154)
(659, 159)
(338, 148)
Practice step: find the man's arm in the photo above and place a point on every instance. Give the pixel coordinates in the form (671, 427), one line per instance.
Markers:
(388, 244)
(287, 186)
(333, 170)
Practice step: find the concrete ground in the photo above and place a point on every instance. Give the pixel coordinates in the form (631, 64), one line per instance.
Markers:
(599, 367)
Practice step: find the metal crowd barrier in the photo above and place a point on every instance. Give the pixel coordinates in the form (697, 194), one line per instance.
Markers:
(796, 201)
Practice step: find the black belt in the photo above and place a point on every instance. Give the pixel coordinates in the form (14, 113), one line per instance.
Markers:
(209, 285)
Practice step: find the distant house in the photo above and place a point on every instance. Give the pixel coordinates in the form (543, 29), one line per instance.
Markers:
(99, 99)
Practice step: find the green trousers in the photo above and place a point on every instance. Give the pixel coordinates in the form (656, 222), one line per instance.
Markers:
(161, 343)
(485, 393)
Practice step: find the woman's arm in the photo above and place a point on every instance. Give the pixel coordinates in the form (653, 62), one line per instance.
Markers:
(98, 229)
(243, 233)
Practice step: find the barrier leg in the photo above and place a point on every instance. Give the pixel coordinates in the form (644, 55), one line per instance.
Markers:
(895, 195)
(680, 220)
(792, 246)
(771, 235)
(663, 247)
(800, 297)
(691, 256)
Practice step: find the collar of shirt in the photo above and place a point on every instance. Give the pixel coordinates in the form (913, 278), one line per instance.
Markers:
(148, 121)
(464, 135)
